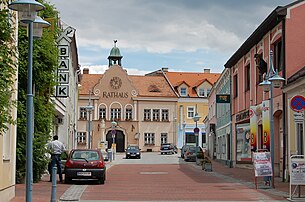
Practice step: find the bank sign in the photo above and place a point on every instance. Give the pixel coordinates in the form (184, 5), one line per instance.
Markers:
(62, 89)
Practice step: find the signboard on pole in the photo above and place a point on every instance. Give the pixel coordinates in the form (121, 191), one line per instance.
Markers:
(262, 164)
(297, 170)
(266, 125)
(253, 128)
(297, 103)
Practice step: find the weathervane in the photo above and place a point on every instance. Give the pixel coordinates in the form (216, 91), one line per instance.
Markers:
(115, 41)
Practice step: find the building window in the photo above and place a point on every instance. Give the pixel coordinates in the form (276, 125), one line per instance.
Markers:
(7, 143)
(156, 115)
(204, 138)
(201, 92)
(190, 112)
(165, 115)
(128, 114)
(208, 92)
(247, 77)
(163, 138)
(81, 138)
(235, 86)
(149, 138)
(115, 114)
(300, 136)
(147, 115)
(82, 113)
(183, 92)
(102, 113)
(278, 56)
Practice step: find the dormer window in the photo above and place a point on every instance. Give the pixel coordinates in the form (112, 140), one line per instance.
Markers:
(201, 92)
(183, 92)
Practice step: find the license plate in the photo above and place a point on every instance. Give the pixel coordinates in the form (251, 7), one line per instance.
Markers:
(133, 155)
(83, 173)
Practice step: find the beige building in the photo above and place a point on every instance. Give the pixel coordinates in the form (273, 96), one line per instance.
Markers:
(125, 109)
(8, 138)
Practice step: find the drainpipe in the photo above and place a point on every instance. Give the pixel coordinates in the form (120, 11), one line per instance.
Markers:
(284, 100)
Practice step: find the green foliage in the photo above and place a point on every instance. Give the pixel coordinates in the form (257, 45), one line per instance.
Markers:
(45, 59)
(7, 73)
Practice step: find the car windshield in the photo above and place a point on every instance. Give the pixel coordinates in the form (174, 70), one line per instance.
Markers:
(87, 155)
(132, 148)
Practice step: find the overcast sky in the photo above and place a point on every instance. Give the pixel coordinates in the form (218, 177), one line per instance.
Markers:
(183, 35)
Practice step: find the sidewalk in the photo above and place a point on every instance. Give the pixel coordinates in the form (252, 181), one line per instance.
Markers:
(241, 174)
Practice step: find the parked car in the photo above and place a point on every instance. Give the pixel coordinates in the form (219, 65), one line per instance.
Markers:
(167, 148)
(85, 164)
(133, 152)
(190, 153)
(184, 148)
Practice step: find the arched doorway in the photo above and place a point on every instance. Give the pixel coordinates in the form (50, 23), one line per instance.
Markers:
(119, 140)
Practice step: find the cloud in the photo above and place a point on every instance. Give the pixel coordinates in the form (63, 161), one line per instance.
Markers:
(100, 69)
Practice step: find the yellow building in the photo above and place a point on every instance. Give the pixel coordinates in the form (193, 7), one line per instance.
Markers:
(193, 89)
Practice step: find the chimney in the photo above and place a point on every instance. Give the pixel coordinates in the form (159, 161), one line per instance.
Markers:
(206, 70)
(165, 69)
(86, 71)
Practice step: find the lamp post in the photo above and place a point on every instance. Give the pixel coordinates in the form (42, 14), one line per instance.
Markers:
(89, 108)
(196, 131)
(184, 136)
(272, 80)
(113, 133)
(28, 9)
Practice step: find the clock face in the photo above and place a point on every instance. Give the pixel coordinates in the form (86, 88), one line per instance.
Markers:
(116, 82)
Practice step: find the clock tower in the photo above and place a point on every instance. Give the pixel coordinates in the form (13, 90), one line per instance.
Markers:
(115, 56)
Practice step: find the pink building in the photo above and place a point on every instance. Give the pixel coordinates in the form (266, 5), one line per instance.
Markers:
(283, 33)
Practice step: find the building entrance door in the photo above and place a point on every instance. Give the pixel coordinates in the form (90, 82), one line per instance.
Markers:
(119, 140)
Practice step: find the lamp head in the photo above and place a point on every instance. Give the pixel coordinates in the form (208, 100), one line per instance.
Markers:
(276, 80)
(196, 117)
(28, 9)
(266, 85)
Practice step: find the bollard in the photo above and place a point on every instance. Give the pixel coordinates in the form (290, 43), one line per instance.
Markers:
(110, 155)
(53, 193)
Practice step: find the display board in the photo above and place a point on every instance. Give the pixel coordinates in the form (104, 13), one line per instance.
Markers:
(262, 164)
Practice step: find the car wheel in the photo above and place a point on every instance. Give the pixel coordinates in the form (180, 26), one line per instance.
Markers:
(68, 180)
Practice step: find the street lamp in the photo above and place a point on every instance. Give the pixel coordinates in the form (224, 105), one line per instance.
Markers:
(27, 10)
(89, 108)
(113, 133)
(272, 80)
(196, 131)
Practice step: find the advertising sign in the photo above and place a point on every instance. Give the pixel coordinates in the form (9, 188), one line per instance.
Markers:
(262, 164)
(253, 128)
(266, 125)
(297, 171)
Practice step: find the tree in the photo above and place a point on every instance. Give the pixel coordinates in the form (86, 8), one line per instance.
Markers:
(45, 63)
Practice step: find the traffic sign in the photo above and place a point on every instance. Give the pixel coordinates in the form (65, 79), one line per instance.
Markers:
(196, 131)
(297, 103)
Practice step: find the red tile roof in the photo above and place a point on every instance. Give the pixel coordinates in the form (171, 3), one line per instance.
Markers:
(193, 79)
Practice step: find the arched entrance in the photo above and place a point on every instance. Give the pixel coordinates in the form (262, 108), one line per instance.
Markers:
(119, 140)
